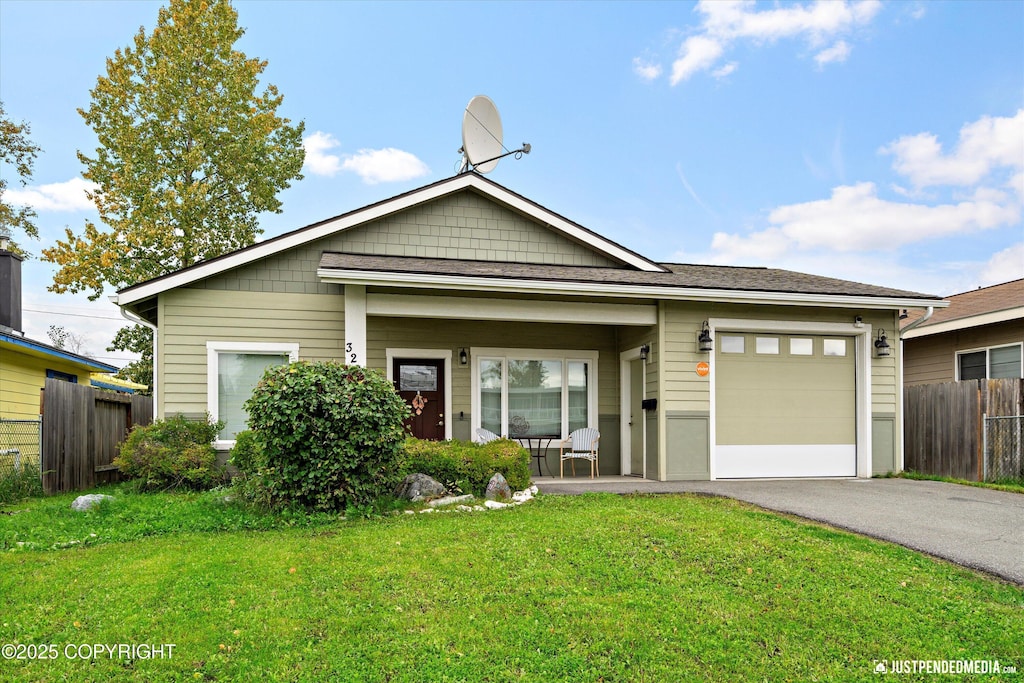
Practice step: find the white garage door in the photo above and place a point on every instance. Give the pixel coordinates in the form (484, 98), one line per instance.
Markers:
(785, 406)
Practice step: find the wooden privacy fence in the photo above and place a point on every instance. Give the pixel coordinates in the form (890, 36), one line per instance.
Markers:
(943, 424)
(82, 430)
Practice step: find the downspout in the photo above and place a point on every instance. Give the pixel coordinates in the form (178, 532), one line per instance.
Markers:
(919, 321)
(131, 317)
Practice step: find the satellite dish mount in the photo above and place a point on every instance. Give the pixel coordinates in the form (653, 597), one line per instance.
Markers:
(482, 144)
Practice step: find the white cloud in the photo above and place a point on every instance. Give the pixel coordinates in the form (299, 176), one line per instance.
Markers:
(855, 219)
(372, 165)
(66, 196)
(698, 53)
(318, 161)
(985, 145)
(725, 70)
(837, 53)
(1004, 266)
(646, 70)
(385, 165)
(724, 23)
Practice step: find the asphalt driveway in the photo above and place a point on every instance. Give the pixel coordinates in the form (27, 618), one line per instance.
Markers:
(971, 526)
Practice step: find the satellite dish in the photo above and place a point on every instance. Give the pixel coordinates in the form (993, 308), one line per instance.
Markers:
(482, 134)
(482, 137)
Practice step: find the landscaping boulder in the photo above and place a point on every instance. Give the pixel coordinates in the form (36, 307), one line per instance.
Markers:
(88, 502)
(498, 488)
(417, 487)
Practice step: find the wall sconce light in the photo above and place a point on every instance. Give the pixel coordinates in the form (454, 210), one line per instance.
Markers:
(704, 342)
(882, 348)
(645, 350)
(463, 357)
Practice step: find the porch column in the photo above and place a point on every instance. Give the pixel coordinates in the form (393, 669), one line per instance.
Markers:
(355, 324)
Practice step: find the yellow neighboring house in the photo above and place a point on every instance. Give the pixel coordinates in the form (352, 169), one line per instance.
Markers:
(24, 366)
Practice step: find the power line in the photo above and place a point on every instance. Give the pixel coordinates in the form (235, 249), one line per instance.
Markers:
(79, 315)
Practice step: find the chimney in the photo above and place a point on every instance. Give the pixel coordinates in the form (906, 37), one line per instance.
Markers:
(10, 287)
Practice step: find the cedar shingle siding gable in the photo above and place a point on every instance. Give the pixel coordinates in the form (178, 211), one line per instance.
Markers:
(463, 225)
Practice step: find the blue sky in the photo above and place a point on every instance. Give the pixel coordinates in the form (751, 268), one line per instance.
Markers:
(876, 142)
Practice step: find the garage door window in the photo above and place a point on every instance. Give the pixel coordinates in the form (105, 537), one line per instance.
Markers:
(767, 345)
(732, 344)
(801, 347)
(835, 347)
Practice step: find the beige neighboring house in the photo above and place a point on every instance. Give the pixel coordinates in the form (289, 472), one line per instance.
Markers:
(979, 336)
(493, 312)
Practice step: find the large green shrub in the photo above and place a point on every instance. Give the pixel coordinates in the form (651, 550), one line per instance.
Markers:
(469, 465)
(172, 453)
(330, 434)
(247, 454)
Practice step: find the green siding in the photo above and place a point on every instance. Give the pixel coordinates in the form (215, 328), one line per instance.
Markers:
(883, 444)
(191, 317)
(687, 447)
(460, 226)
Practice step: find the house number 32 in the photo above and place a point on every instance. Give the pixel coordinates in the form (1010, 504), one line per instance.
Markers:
(352, 358)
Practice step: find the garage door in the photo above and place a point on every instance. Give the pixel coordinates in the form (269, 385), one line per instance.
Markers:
(785, 406)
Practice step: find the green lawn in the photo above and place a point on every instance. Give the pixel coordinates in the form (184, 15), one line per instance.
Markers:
(587, 588)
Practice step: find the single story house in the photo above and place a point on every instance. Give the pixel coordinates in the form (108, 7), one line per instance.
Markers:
(493, 312)
(979, 336)
(25, 363)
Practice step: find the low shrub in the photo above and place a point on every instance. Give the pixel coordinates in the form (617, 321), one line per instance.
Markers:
(18, 483)
(469, 465)
(330, 434)
(172, 453)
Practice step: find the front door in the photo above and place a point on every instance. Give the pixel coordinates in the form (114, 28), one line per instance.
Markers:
(420, 381)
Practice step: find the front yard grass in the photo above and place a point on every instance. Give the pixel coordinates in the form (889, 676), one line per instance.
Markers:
(581, 588)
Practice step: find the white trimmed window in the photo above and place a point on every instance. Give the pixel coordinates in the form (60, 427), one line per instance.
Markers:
(232, 371)
(528, 393)
(995, 362)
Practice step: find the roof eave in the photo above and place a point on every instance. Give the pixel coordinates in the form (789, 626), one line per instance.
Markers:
(26, 344)
(601, 289)
(991, 318)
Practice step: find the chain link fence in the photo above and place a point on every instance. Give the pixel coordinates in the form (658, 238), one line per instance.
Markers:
(20, 447)
(1004, 448)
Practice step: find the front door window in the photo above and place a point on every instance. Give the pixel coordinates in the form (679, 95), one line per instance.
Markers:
(420, 382)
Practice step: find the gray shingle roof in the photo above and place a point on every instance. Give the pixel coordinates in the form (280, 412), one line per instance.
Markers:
(684, 276)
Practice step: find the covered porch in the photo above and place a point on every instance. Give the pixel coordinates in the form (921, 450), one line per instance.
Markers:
(524, 366)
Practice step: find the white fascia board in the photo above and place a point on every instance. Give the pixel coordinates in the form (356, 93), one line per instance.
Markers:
(375, 212)
(476, 308)
(1008, 315)
(494, 284)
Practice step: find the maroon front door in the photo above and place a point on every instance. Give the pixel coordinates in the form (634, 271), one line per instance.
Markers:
(420, 382)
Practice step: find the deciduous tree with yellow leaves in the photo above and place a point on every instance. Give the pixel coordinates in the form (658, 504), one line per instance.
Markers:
(190, 153)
